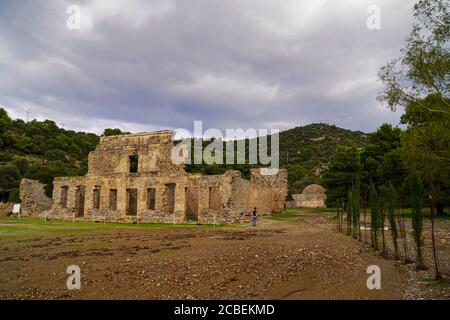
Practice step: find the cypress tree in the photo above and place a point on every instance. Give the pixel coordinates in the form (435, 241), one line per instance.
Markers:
(338, 214)
(354, 214)
(438, 275)
(416, 201)
(357, 206)
(349, 213)
(373, 199)
(382, 217)
(391, 217)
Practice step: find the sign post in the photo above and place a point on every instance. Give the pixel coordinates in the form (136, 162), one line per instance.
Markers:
(16, 209)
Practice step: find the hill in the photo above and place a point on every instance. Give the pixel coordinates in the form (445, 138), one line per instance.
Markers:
(306, 151)
(41, 150)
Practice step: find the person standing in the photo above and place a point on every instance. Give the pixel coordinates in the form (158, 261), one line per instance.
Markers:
(254, 217)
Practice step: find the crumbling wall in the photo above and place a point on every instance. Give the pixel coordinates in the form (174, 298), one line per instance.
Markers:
(33, 198)
(177, 196)
(154, 152)
(275, 181)
(239, 196)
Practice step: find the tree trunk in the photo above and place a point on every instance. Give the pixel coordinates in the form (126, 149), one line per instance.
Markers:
(433, 241)
(404, 237)
(365, 222)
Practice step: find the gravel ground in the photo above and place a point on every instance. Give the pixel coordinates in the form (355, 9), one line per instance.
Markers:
(300, 258)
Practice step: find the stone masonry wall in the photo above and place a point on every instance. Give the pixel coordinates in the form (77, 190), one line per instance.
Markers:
(108, 190)
(33, 198)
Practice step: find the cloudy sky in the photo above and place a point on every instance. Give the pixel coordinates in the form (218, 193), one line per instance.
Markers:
(142, 65)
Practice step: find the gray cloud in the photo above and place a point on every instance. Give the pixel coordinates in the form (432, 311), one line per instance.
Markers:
(144, 65)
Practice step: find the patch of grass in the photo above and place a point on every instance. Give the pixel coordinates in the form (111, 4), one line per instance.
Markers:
(287, 215)
(163, 253)
(293, 213)
(333, 210)
(408, 211)
(12, 227)
(426, 212)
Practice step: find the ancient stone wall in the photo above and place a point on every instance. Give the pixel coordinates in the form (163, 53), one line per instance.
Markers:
(239, 196)
(33, 198)
(161, 191)
(112, 155)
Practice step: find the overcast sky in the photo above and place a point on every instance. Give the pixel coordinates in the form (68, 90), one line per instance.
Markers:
(142, 65)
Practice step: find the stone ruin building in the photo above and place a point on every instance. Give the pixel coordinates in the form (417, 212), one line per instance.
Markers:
(313, 196)
(132, 178)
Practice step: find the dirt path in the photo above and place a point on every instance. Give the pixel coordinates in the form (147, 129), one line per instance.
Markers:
(296, 259)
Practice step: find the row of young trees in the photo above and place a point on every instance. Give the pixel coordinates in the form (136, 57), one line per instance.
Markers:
(403, 169)
(383, 216)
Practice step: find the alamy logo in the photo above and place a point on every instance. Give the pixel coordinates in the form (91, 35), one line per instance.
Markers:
(374, 280)
(74, 20)
(191, 151)
(74, 280)
(374, 20)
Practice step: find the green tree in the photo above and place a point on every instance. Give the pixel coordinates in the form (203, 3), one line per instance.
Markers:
(382, 209)
(9, 177)
(5, 124)
(423, 69)
(356, 204)
(426, 146)
(391, 201)
(55, 154)
(5, 121)
(296, 173)
(381, 158)
(416, 201)
(339, 177)
(374, 215)
(349, 215)
(21, 164)
(113, 132)
(418, 81)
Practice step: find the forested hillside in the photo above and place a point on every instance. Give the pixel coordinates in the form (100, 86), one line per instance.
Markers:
(306, 151)
(41, 150)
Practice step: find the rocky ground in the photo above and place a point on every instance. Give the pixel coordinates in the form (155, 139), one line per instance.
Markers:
(303, 257)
